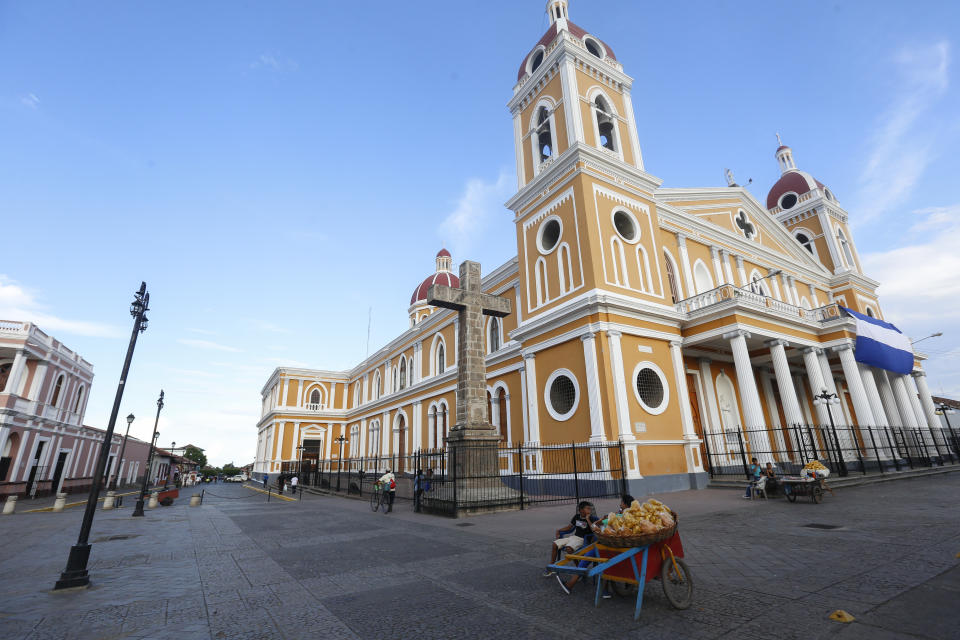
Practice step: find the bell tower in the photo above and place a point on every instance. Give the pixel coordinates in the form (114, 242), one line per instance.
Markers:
(584, 208)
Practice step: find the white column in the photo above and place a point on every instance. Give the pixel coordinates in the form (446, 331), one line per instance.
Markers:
(685, 265)
(766, 385)
(788, 395)
(717, 444)
(692, 440)
(747, 383)
(929, 409)
(793, 288)
(386, 434)
(903, 402)
(787, 293)
(417, 420)
(38, 378)
(725, 256)
(801, 391)
(914, 393)
(774, 284)
(597, 433)
(873, 396)
(363, 438)
(297, 440)
(619, 386)
(811, 359)
(533, 407)
(861, 404)
(741, 272)
(889, 399)
(814, 301)
(328, 441)
(717, 268)
(16, 373)
(830, 384)
(524, 411)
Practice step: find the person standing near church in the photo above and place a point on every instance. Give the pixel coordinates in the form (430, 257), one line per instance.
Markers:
(293, 484)
(388, 483)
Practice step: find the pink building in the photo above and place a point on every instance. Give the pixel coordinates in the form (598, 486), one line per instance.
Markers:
(44, 445)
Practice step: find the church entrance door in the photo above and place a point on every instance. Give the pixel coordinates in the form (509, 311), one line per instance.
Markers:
(697, 425)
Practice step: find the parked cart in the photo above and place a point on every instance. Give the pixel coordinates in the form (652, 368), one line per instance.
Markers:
(797, 486)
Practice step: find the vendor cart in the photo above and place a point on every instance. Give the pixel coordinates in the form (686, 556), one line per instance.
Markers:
(797, 486)
(620, 566)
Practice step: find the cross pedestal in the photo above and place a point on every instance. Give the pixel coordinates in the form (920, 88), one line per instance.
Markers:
(473, 442)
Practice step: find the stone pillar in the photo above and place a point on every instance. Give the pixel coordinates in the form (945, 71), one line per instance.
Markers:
(747, 383)
(742, 272)
(873, 395)
(805, 404)
(929, 409)
(60, 502)
(774, 285)
(788, 395)
(903, 402)
(533, 407)
(717, 439)
(38, 379)
(685, 265)
(417, 420)
(914, 394)
(830, 384)
(691, 447)
(811, 360)
(619, 386)
(717, 268)
(766, 386)
(597, 433)
(10, 506)
(787, 293)
(16, 373)
(889, 399)
(858, 394)
(725, 257)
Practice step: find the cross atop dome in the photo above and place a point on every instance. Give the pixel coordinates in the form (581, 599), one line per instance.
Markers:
(558, 12)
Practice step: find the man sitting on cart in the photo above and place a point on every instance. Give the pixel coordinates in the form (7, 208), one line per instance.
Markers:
(571, 538)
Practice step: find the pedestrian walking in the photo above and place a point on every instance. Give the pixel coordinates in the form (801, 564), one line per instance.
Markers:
(293, 484)
(265, 481)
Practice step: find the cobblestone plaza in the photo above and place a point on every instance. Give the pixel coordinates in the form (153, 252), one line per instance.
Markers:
(240, 567)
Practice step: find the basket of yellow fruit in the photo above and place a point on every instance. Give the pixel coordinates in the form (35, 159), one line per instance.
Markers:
(638, 526)
(814, 469)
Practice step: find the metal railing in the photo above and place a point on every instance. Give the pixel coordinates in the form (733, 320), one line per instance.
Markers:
(842, 449)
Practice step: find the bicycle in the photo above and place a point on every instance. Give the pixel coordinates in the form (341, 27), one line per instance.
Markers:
(379, 498)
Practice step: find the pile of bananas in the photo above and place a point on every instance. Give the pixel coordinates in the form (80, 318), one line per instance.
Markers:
(638, 519)
(814, 466)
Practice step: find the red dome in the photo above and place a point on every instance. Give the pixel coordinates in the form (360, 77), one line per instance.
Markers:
(443, 253)
(441, 277)
(549, 36)
(799, 182)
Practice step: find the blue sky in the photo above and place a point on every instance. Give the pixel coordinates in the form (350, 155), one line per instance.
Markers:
(275, 169)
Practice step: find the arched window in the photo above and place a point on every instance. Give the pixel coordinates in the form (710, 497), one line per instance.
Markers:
(757, 284)
(701, 277)
(565, 268)
(356, 394)
(377, 385)
(870, 313)
(606, 125)
(494, 334)
(845, 246)
(502, 415)
(441, 359)
(56, 391)
(804, 240)
(315, 396)
(544, 134)
(403, 373)
(432, 437)
(672, 281)
(4, 375)
(78, 400)
(619, 263)
(540, 273)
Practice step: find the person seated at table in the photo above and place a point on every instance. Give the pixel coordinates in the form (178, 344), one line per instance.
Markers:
(754, 471)
(571, 537)
(770, 473)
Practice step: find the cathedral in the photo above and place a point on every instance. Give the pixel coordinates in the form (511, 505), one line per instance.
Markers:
(669, 319)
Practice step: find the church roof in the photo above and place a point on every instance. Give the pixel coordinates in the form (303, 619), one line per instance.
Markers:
(799, 182)
(440, 277)
(549, 36)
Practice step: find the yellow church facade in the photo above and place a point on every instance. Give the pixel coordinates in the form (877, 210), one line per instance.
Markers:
(668, 319)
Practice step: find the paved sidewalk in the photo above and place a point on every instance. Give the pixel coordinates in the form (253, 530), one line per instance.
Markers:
(240, 567)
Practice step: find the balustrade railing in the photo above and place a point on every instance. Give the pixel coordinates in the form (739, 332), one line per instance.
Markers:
(746, 297)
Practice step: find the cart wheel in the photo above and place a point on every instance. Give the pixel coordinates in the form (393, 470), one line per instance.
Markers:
(792, 497)
(817, 495)
(677, 588)
(374, 501)
(624, 590)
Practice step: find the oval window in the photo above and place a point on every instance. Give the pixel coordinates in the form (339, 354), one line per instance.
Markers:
(537, 61)
(561, 395)
(650, 388)
(593, 47)
(625, 225)
(550, 235)
(788, 201)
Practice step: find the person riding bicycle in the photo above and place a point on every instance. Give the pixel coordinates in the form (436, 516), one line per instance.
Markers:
(388, 484)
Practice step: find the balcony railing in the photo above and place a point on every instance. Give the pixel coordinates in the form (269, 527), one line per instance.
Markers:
(728, 293)
(315, 407)
(10, 326)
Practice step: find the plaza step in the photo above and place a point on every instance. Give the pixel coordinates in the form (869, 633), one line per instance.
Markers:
(853, 480)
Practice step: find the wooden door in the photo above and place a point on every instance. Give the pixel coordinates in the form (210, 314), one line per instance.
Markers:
(697, 424)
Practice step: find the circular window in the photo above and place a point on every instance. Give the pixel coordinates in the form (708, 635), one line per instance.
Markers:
(549, 235)
(593, 47)
(788, 201)
(650, 388)
(562, 394)
(626, 226)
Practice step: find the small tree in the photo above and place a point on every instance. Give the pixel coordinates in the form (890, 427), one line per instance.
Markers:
(195, 454)
(230, 470)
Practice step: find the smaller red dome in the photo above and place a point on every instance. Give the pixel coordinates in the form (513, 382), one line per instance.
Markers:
(798, 182)
(441, 277)
(443, 253)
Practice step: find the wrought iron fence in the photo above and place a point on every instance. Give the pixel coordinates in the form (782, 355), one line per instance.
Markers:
(842, 449)
(479, 476)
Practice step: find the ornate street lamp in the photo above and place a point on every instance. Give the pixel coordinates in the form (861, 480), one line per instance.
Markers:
(138, 510)
(944, 409)
(828, 399)
(75, 574)
(116, 476)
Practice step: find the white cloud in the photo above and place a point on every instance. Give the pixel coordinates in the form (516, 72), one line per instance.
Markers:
(273, 62)
(904, 145)
(30, 100)
(207, 344)
(203, 332)
(17, 303)
(478, 208)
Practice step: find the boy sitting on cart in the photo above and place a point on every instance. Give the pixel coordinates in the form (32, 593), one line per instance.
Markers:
(571, 538)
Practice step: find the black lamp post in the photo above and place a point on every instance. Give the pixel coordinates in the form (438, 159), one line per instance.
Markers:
(123, 447)
(138, 510)
(943, 409)
(825, 398)
(75, 574)
(340, 440)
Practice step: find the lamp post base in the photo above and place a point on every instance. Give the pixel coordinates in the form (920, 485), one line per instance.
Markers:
(138, 510)
(75, 575)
